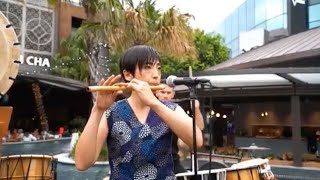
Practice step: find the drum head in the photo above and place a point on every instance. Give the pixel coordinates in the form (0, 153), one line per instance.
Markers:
(9, 54)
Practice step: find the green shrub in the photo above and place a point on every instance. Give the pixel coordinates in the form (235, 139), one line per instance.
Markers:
(103, 153)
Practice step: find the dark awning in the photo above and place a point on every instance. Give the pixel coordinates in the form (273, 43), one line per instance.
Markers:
(300, 46)
(56, 81)
(271, 81)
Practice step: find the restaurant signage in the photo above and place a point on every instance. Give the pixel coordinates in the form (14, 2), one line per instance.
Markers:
(35, 61)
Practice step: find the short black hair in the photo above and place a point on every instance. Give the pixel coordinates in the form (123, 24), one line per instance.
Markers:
(138, 55)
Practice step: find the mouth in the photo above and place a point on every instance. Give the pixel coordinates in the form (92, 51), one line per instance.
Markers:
(154, 83)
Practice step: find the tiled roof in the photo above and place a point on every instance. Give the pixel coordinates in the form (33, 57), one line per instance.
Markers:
(298, 46)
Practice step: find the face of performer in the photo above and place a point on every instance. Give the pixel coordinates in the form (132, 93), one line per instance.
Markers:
(141, 62)
(165, 94)
(150, 73)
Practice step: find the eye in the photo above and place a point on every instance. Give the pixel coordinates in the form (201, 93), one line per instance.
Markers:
(159, 67)
(148, 66)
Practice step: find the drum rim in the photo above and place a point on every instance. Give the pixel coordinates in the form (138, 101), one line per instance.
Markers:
(251, 163)
(28, 155)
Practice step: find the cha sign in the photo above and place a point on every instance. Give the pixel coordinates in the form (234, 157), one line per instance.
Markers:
(35, 61)
(295, 2)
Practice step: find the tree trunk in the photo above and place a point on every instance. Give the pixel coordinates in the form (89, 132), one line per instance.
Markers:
(40, 108)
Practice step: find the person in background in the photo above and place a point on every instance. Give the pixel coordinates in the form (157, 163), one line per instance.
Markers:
(230, 134)
(14, 135)
(28, 137)
(312, 141)
(138, 129)
(20, 135)
(46, 135)
(7, 137)
(36, 134)
(179, 148)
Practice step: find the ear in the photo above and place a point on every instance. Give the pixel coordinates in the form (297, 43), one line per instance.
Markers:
(172, 95)
(127, 75)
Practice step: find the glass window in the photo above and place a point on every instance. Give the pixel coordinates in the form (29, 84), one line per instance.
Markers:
(235, 25)
(314, 13)
(261, 26)
(285, 21)
(274, 8)
(235, 47)
(228, 29)
(242, 18)
(260, 11)
(229, 48)
(250, 14)
(285, 6)
(314, 24)
(312, 2)
(275, 23)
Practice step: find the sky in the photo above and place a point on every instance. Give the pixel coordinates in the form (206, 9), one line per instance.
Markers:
(208, 13)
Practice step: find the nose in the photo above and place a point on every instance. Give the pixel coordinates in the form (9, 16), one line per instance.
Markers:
(156, 73)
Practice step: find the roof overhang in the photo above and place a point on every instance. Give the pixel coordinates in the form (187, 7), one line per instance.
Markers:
(267, 81)
(54, 81)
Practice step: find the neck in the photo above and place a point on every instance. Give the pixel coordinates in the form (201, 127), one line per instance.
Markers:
(135, 100)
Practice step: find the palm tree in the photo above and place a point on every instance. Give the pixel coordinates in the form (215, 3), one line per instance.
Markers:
(40, 108)
(123, 24)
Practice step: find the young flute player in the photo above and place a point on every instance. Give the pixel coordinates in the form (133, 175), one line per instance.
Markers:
(138, 130)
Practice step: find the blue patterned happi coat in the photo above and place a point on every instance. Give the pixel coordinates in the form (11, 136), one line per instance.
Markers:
(136, 150)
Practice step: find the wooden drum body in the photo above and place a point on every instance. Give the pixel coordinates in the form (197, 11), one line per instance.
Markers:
(253, 169)
(31, 167)
(243, 174)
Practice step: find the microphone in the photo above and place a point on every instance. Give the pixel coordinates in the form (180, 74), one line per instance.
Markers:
(188, 81)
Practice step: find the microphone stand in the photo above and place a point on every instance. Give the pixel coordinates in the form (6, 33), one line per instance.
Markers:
(191, 83)
(193, 97)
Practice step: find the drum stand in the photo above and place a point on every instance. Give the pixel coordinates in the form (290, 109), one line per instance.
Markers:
(5, 116)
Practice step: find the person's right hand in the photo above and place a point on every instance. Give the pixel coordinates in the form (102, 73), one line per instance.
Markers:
(104, 99)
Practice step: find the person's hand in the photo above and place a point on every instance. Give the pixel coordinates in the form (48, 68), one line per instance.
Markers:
(143, 91)
(104, 99)
(196, 104)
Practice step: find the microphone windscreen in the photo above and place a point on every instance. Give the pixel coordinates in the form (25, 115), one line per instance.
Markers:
(170, 80)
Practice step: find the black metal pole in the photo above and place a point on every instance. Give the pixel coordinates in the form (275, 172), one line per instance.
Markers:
(193, 98)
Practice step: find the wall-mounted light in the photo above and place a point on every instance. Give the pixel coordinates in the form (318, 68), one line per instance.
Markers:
(212, 112)
(218, 115)
(224, 116)
(264, 114)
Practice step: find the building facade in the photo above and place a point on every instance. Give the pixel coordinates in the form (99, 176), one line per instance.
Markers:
(35, 25)
(35, 92)
(40, 29)
(274, 19)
